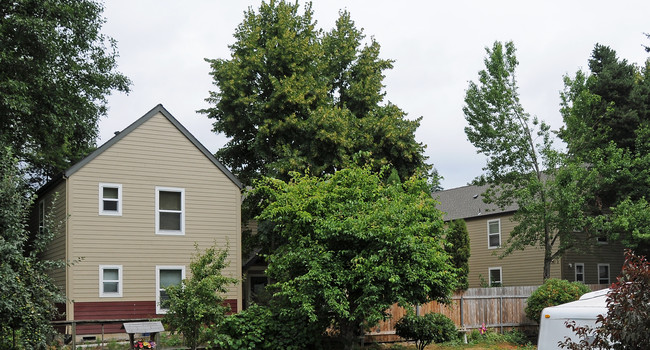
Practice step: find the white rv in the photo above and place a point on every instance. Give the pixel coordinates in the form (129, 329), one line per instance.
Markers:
(584, 311)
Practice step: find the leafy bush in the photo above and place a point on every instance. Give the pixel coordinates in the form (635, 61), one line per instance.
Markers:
(266, 327)
(627, 323)
(245, 330)
(427, 329)
(553, 292)
(196, 305)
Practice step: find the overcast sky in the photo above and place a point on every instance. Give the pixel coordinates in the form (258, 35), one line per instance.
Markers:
(438, 47)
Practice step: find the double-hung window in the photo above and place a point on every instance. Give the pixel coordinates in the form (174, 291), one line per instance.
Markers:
(166, 276)
(110, 281)
(170, 211)
(110, 199)
(580, 272)
(495, 277)
(603, 273)
(494, 233)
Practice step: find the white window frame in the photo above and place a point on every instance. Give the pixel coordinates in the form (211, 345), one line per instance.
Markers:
(159, 309)
(576, 272)
(103, 294)
(489, 234)
(608, 273)
(490, 269)
(180, 232)
(117, 212)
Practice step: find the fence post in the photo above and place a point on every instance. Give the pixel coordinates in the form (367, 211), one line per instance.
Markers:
(501, 313)
(462, 319)
(74, 334)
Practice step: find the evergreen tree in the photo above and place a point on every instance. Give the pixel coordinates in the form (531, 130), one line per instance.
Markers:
(607, 130)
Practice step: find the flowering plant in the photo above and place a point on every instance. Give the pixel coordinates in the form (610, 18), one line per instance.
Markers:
(483, 329)
(141, 344)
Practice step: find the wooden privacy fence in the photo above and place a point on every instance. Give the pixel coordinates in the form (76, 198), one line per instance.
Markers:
(498, 307)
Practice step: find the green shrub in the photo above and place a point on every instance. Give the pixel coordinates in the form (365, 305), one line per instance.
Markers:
(266, 327)
(427, 329)
(245, 330)
(553, 292)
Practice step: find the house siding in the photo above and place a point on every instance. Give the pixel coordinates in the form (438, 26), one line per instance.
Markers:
(521, 268)
(610, 253)
(153, 154)
(55, 205)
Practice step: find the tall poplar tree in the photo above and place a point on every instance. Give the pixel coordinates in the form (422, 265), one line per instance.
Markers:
(522, 167)
(292, 97)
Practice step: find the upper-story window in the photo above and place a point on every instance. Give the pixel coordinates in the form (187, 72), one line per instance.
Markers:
(110, 199)
(494, 233)
(170, 211)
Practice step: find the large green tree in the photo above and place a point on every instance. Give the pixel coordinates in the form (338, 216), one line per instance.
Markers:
(523, 168)
(354, 246)
(607, 128)
(292, 97)
(56, 69)
(28, 294)
(459, 249)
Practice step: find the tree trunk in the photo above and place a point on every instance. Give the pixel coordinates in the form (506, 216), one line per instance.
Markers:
(349, 332)
(547, 266)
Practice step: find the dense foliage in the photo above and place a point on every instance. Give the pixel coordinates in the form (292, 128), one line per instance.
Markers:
(427, 329)
(607, 129)
(267, 327)
(627, 323)
(196, 306)
(29, 297)
(354, 246)
(292, 97)
(56, 69)
(523, 168)
(553, 292)
(459, 249)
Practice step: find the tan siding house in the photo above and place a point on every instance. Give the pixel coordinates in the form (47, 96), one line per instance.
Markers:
(489, 228)
(134, 210)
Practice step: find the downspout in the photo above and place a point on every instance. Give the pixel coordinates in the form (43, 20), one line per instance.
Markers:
(68, 283)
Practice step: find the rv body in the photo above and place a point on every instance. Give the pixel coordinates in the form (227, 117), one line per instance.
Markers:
(584, 311)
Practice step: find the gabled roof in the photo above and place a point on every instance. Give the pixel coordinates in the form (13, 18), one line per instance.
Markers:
(466, 202)
(158, 109)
